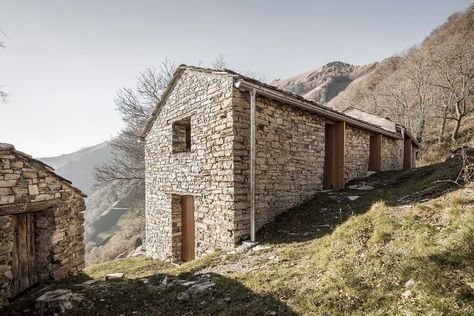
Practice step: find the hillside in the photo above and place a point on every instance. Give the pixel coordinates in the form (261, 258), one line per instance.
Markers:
(356, 93)
(324, 83)
(394, 243)
(79, 166)
(114, 221)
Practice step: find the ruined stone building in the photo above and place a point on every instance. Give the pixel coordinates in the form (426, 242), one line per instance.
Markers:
(41, 224)
(225, 154)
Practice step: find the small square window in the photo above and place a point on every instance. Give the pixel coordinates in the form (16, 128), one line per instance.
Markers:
(182, 136)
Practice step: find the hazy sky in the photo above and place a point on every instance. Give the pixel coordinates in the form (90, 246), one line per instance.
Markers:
(65, 60)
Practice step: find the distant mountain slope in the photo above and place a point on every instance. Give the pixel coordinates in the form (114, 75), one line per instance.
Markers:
(114, 220)
(79, 166)
(356, 93)
(324, 83)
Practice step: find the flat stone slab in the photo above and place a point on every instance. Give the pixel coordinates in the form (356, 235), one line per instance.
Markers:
(196, 288)
(353, 197)
(89, 282)
(364, 187)
(57, 300)
(114, 276)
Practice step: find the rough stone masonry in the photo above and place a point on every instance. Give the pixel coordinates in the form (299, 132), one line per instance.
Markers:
(197, 143)
(41, 224)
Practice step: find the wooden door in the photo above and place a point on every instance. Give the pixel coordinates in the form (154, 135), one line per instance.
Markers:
(334, 160)
(187, 228)
(23, 254)
(375, 155)
(407, 154)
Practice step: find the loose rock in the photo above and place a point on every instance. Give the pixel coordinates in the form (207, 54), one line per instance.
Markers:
(114, 276)
(59, 300)
(353, 197)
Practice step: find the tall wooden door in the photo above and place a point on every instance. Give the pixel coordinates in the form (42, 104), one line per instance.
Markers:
(334, 160)
(23, 255)
(407, 154)
(375, 154)
(187, 228)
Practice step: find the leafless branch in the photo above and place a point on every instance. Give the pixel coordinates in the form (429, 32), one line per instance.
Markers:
(135, 106)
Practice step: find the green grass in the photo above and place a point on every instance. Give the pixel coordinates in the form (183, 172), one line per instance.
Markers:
(363, 266)
(133, 268)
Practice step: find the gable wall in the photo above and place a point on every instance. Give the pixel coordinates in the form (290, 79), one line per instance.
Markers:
(205, 172)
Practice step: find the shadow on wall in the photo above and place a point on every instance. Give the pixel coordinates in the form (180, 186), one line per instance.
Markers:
(200, 294)
(326, 210)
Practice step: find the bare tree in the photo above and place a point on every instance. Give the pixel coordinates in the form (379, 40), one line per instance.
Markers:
(3, 94)
(443, 105)
(219, 62)
(3, 34)
(408, 92)
(135, 106)
(454, 66)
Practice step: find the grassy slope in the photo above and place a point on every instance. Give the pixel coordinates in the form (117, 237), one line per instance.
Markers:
(377, 255)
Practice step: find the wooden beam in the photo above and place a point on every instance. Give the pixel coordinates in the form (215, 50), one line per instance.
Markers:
(28, 207)
(340, 147)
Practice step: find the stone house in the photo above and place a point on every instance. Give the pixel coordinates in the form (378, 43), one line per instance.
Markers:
(41, 224)
(225, 154)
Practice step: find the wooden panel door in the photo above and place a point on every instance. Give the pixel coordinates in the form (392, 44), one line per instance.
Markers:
(375, 155)
(407, 154)
(23, 255)
(187, 228)
(334, 160)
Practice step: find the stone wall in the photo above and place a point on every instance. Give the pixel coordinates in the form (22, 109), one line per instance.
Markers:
(392, 154)
(289, 159)
(59, 232)
(356, 153)
(204, 172)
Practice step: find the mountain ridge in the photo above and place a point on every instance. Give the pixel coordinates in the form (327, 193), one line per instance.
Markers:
(325, 82)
